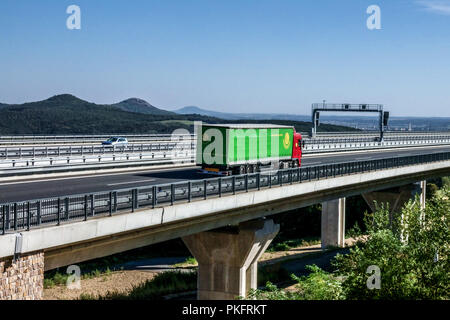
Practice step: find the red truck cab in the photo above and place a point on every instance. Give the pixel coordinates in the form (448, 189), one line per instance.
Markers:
(297, 148)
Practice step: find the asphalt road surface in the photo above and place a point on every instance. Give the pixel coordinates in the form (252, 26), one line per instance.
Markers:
(54, 187)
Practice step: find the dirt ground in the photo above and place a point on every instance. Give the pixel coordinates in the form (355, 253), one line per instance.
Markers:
(126, 279)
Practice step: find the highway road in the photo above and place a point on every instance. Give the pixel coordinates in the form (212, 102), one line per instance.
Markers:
(37, 189)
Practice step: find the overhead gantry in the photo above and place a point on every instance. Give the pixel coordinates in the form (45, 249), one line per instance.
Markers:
(346, 107)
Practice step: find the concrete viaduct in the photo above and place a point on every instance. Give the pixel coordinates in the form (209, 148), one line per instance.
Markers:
(225, 234)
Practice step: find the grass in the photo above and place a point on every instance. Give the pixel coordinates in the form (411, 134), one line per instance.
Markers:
(292, 243)
(190, 261)
(55, 278)
(106, 265)
(162, 284)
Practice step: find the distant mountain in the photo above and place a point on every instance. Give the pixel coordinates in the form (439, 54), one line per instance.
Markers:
(204, 112)
(140, 106)
(67, 114)
(242, 116)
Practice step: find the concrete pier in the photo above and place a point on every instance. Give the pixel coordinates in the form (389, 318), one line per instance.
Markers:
(397, 197)
(228, 258)
(333, 223)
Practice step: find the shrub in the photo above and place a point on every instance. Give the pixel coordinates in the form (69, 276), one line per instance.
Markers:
(411, 249)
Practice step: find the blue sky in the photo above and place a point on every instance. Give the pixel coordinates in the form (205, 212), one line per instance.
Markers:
(237, 56)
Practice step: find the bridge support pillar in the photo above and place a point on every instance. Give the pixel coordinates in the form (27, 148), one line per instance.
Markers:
(333, 223)
(397, 197)
(228, 257)
(22, 278)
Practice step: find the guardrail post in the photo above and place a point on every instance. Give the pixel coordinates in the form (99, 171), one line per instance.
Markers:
(280, 178)
(110, 203)
(38, 212)
(220, 187)
(59, 212)
(132, 199)
(233, 184)
(66, 208)
(246, 182)
(172, 193)
(154, 200)
(115, 201)
(270, 180)
(189, 191)
(15, 216)
(258, 181)
(204, 189)
(136, 201)
(85, 207)
(3, 219)
(8, 218)
(28, 216)
(92, 205)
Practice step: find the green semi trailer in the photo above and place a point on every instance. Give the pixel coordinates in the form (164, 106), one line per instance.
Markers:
(228, 149)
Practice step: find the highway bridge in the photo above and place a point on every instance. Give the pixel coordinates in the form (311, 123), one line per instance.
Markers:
(53, 220)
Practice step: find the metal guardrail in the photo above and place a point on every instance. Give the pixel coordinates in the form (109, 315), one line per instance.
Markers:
(354, 144)
(312, 144)
(33, 152)
(86, 136)
(327, 140)
(46, 140)
(22, 165)
(376, 133)
(53, 211)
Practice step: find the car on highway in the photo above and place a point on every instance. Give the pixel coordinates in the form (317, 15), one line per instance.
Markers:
(116, 142)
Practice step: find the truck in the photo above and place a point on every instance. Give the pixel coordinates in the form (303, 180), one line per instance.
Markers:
(229, 149)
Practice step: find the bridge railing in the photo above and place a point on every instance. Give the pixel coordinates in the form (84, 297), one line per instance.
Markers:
(47, 151)
(24, 215)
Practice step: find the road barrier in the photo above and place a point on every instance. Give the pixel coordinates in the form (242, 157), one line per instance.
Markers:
(24, 215)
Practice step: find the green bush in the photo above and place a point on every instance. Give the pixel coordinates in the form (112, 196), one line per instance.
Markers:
(318, 285)
(411, 249)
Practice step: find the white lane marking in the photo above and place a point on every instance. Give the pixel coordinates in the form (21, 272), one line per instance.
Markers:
(365, 158)
(100, 175)
(129, 182)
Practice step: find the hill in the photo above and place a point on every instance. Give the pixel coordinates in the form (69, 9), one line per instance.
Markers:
(140, 106)
(67, 114)
(239, 116)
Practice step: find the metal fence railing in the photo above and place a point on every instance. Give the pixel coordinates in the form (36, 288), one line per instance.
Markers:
(24, 215)
(330, 140)
(59, 151)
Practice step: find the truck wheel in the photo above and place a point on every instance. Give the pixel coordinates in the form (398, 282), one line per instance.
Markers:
(242, 169)
(249, 168)
(255, 168)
